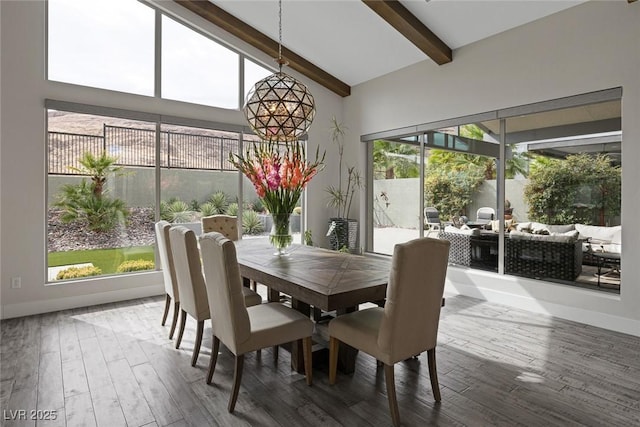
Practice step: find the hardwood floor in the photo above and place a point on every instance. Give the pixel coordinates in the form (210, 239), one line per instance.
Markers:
(113, 365)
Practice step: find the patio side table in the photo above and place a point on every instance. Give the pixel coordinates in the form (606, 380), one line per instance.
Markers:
(609, 258)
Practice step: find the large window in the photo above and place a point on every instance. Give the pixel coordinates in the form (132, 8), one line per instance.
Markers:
(112, 44)
(100, 195)
(104, 44)
(197, 69)
(542, 204)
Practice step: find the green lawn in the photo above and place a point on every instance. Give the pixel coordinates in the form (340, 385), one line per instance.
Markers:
(107, 260)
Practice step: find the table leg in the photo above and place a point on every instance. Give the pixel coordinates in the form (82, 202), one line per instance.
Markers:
(347, 354)
(297, 354)
(273, 296)
(599, 269)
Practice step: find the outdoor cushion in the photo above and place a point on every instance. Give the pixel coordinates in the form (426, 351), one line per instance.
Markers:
(495, 224)
(568, 237)
(598, 234)
(468, 231)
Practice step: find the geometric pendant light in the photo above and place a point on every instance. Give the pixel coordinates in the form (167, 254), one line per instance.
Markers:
(278, 107)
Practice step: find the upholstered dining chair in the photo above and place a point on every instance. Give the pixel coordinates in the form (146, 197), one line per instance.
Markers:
(226, 225)
(193, 292)
(408, 323)
(168, 274)
(240, 328)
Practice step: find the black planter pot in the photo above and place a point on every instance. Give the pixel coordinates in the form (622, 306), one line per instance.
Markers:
(343, 233)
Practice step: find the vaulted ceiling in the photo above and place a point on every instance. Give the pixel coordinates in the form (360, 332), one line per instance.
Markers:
(343, 43)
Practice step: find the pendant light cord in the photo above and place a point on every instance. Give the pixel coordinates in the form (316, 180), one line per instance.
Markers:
(280, 34)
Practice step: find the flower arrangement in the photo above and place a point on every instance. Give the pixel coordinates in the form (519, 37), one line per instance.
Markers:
(279, 173)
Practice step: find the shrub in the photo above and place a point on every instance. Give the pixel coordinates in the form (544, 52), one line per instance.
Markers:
(251, 222)
(580, 189)
(77, 272)
(135, 265)
(451, 191)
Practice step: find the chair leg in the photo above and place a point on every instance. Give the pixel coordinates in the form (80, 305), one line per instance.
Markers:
(237, 378)
(433, 374)
(391, 394)
(167, 303)
(333, 359)
(214, 358)
(183, 321)
(197, 343)
(174, 322)
(306, 349)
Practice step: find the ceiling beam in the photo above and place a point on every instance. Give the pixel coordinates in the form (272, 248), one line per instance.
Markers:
(255, 38)
(412, 28)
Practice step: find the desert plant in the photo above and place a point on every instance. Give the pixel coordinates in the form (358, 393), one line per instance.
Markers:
(257, 206)
(208, 209)
(89, 200)
(251, 222)
(194, 205)
(175, 211)
(219, 201)
(232, 209)
(77, 272)
(135, 265)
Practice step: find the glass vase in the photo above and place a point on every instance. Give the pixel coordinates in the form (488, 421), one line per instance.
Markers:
(280, 236)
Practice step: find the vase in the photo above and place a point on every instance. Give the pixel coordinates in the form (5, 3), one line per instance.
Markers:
(280, 235)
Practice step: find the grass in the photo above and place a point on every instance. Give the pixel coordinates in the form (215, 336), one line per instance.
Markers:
(107, 260)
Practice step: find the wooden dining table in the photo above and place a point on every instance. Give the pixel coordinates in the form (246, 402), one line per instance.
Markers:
(316, 278)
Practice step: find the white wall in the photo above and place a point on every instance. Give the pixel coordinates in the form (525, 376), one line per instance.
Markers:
(586, 48)
(22, 169)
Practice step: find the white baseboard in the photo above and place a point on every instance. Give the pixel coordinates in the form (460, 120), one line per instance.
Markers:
(46, 306)
(528, 303)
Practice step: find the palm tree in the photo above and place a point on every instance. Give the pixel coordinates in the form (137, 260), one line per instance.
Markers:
(98, 168)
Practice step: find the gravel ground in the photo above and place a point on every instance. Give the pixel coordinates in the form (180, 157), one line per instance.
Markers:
(138, 231)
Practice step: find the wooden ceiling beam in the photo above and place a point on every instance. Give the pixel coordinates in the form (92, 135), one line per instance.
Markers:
(412, 28)
(255, 38)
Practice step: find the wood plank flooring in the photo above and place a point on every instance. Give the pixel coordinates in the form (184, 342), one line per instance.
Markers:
(113, 365)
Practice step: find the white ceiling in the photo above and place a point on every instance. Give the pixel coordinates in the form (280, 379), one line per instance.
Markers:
(351, 42)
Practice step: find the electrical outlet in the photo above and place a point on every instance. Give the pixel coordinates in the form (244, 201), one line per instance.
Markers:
(16, 282)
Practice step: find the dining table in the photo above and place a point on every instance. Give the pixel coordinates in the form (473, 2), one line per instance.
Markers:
(316, 279)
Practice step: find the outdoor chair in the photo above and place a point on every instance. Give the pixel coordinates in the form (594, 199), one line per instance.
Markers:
(432, 220)
(168, 273)
(244, 329)
(408, 323)
(193, 291)
(485, 215)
